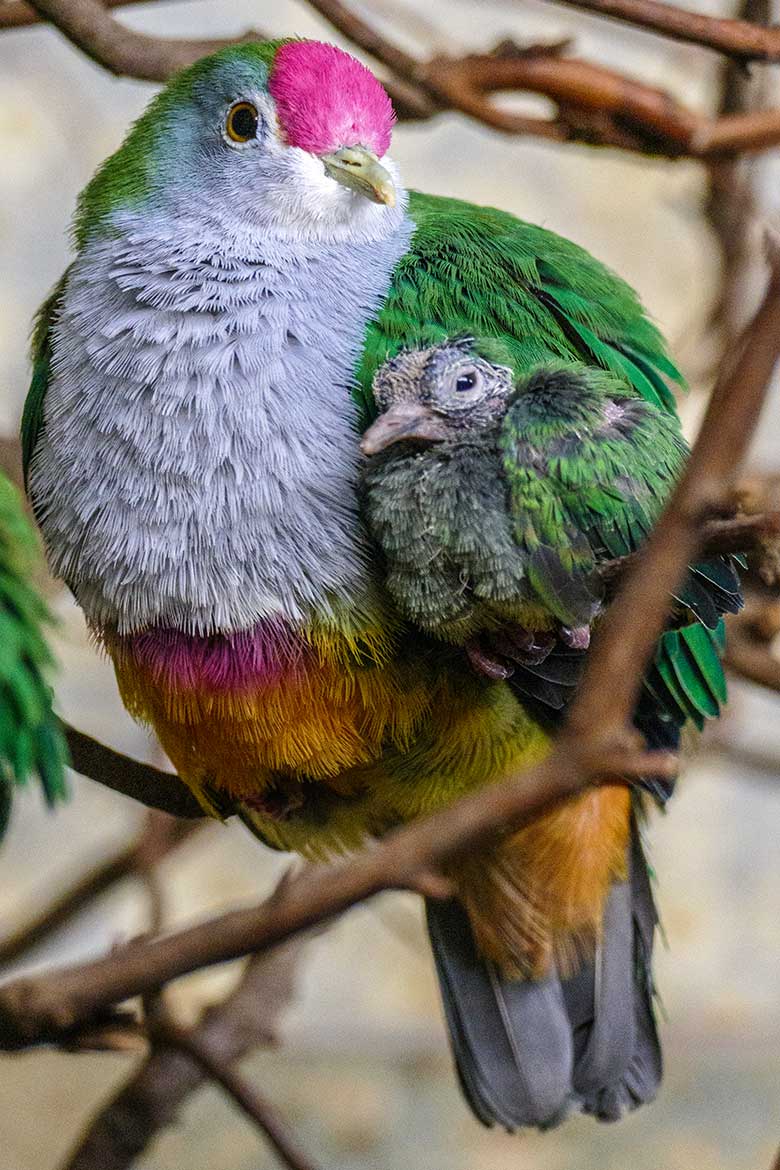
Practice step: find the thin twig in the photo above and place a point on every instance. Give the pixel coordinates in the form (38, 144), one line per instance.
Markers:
(145, 853)
(18, 14)
(120, 49)
(749, 654)
(151, 1099)
(708, 480)
(367, 38)
(730, 206)
(257, 1109)
(741, 40)
(733, 534)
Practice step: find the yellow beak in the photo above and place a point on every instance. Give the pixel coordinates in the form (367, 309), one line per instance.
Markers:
(361, 171)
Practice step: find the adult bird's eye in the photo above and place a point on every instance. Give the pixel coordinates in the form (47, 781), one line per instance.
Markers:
(242, 122)
(468, 380)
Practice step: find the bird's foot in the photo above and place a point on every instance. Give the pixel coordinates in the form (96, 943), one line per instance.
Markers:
(486, 663)
(276, 804)
(495, 655)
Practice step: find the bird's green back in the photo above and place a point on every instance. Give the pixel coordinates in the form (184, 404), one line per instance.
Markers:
(482, 272)
(589, 466)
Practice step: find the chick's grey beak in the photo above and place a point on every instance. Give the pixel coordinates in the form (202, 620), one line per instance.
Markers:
(405, 420)
(361, 171)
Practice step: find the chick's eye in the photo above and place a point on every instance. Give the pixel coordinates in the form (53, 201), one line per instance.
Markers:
(242, 121)
(468, 380)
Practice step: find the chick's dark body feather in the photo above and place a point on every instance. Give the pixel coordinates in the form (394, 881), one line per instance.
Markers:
(508, 524)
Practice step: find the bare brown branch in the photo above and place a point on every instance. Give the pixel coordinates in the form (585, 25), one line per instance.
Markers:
(119, 49)
(708, 480)
(161, 835)
(142, 782)
(757, 533)
(39, 1009)
(18, 14)
(594, 104)
(362, 34)
(630, 114)
(731, 204)
(734, 38)
(749, 649)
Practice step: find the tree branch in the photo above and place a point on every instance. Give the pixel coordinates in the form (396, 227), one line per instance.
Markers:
(245, 1096)
(749, 652)
(44, 1008)
(142, 782)
(19, 14)
(160, 836)
(708, 480)
(121, 50)
(757, 533)
(738, 39)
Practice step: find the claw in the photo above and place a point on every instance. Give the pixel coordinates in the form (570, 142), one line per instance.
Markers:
(527, 647)
(577, 638)
(486, 664)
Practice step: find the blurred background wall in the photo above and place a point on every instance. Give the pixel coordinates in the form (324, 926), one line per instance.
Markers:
(363, 1073)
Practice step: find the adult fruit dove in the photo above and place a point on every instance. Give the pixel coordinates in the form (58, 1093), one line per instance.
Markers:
(244, 262)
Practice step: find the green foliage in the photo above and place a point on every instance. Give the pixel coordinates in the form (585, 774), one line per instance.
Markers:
(31, 742)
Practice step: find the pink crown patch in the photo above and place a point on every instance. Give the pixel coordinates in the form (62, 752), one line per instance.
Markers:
(325, 99)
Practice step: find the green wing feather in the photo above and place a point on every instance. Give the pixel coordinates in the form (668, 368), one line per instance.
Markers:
(31, 742)
(32, 418)
(481, 271)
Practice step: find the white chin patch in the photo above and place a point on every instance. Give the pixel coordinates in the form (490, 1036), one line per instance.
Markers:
(307, 202)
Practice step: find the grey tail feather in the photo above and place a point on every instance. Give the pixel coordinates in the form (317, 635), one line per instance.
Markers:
(530, 1052)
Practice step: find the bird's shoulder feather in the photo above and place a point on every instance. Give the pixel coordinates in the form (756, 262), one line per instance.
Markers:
(484, 272)
(40, 353)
